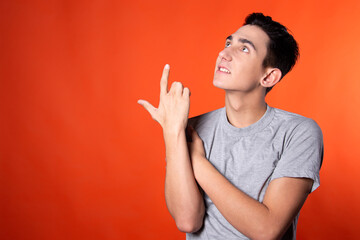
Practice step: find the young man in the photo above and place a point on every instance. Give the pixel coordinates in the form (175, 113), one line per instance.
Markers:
(249, 167)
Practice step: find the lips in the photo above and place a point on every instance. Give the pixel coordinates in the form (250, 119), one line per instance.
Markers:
(223, 69)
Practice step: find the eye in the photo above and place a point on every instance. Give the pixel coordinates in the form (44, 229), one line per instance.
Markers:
(227, 44)
(244, 49)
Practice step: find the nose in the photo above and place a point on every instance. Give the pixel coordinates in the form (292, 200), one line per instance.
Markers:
(225, 54)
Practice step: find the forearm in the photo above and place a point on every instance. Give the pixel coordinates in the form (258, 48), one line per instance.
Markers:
(247, 215)
(182, 195)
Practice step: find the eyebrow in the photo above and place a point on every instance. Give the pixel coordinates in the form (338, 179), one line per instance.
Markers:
(243, 40)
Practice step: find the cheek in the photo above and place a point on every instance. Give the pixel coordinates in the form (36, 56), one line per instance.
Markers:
(254, 69)
(245, 70)
(218, 60)
(247, 76)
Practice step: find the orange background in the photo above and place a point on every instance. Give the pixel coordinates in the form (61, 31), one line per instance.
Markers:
(80, 159)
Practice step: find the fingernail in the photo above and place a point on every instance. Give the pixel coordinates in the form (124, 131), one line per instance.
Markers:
(167, 66)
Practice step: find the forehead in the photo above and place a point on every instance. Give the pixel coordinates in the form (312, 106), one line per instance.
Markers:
(254, 34)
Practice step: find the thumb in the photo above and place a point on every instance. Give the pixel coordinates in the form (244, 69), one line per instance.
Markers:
(150, 108)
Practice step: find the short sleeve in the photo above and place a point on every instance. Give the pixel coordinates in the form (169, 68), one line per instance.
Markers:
(302, 154)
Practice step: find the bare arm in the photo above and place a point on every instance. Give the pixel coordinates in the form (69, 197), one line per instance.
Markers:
(267, 220)
(182, 195)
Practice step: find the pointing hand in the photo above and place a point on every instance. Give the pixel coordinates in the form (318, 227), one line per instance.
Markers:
(173, 110)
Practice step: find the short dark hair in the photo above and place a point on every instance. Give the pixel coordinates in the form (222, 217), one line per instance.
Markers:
(283, 50)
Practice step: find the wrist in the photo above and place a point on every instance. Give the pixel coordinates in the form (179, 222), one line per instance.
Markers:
(173, 131)
(173, 135)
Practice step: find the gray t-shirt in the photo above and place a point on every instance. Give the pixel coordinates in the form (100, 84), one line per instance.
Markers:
(280, 144)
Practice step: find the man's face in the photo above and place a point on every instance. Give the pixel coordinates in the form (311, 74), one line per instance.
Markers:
(239, 65)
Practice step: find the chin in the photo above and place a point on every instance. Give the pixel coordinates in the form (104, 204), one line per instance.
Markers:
(218, 84)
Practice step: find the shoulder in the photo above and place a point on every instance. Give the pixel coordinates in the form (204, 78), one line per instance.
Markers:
(206, 119)
(302, 148)
(207, 123)
(296, 123)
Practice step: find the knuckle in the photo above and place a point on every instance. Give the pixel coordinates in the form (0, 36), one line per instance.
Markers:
(186, 91)
(176, 86)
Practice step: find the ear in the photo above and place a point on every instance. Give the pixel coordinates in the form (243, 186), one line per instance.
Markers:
(272, 77)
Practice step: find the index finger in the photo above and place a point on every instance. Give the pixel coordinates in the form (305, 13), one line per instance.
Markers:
(164, 79)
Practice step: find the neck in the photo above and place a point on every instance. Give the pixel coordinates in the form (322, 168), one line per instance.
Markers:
(242, 110)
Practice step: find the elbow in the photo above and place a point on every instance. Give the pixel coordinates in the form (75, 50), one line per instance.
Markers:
(265, 237)
(189, 225)
(267, 234)
(190, 220)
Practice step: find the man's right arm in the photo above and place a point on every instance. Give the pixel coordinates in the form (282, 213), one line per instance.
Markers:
(182, 194)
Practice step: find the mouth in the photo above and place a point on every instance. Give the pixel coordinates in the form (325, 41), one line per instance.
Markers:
(223, 69)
